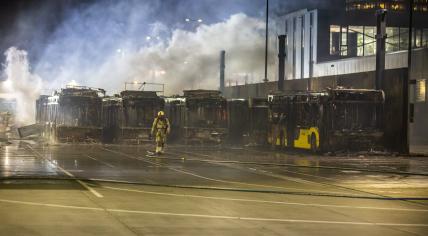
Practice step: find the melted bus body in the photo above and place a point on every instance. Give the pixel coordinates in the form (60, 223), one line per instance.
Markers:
(73, 115)
(128, 117)
(247, 121)
(200, 116)
(328, 121)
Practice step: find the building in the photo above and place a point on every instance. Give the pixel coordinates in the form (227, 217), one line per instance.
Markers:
(317, 37)
(327, 48)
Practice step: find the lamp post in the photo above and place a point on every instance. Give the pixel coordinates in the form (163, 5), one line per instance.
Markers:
(193, 22)
(266, 40)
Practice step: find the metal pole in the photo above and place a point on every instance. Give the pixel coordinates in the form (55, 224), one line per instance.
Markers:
(281, 62)
(266, 40)
(380, 47)
(405, 119)
(222, 68)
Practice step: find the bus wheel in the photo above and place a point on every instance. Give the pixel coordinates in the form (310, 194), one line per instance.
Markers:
(313, 143)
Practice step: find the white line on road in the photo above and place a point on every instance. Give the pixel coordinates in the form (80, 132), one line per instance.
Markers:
(183, 171)
(93, 191)
(95, 159)
(214, 216)
(264, 201)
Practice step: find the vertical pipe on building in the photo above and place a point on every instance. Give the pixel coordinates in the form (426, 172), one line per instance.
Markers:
(266, 40)
(380, 47)
(281, 61)
(222, 68)
(405, 116)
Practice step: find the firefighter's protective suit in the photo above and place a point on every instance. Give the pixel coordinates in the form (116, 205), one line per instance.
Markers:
(160, 129)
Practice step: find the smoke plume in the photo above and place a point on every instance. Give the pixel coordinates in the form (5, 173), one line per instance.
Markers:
(21, 84)
(106, 53)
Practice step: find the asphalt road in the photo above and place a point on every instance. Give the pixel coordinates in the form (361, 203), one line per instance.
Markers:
(120, 190)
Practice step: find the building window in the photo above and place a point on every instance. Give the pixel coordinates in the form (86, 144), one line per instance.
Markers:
(418, 38)
(344, 41)
(404, 38)
(334, 39)
(356, 41)
(425, 38)
(369, 40)
(392, 40)
(421, 90)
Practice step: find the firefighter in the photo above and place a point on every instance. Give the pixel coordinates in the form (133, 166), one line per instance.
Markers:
(160, 129)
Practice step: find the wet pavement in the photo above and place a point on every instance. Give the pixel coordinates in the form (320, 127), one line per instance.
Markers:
(121, 190)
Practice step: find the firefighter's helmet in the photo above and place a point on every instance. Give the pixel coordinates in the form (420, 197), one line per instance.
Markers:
(161, 113)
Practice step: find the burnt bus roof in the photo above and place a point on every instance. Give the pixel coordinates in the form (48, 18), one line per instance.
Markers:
(138, 94)
(202, 93)
(333, 95)
(81, 92)
(43, 98)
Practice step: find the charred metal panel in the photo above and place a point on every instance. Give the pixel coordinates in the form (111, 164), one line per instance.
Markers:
(42, 109)
(258, 120)
(175, 111)
(205, 116)
(238, 121)
(128, 117)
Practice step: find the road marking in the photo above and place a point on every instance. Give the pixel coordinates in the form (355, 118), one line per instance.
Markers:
(103, 162)
(51, 205)
(253, 170)
(93, 191)
(284, 220)
(264, 201)
(213, 179)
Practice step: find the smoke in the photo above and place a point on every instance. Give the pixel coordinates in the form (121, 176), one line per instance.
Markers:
(107, 44)
(21, 84)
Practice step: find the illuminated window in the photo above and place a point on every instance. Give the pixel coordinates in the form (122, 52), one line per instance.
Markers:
(344, 42)
(369, 40)
(392, 40)
(418, 38)
(425, 38)
(334, 39)
(421, 90)
(356, 41)
(404, 39)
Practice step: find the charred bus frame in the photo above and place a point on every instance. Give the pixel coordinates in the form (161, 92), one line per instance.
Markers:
(74, 115)
(328, 121)
(205, 117)
(129, 117)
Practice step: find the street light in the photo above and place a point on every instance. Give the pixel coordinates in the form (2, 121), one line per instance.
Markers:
(199, 20)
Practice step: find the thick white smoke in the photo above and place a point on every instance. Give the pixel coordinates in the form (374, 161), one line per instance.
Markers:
(21, 85)
(190, 60)
(100, 52)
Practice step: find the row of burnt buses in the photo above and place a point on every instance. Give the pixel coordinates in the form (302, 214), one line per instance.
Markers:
(334, 119)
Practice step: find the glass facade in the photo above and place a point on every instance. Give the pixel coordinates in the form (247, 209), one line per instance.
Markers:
(392, 5)
(351, 41)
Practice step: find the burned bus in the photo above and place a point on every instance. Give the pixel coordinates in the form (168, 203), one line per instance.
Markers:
(128, 117)
(327, 121)
(73, 115)
(200, 116)
(175, 108)
(247, 121)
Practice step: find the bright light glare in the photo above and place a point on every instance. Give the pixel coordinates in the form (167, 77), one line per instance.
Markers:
(200, 20)
(148, 38)
(135, 82)
(73, 83)
(8, 83)
(187, 19)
